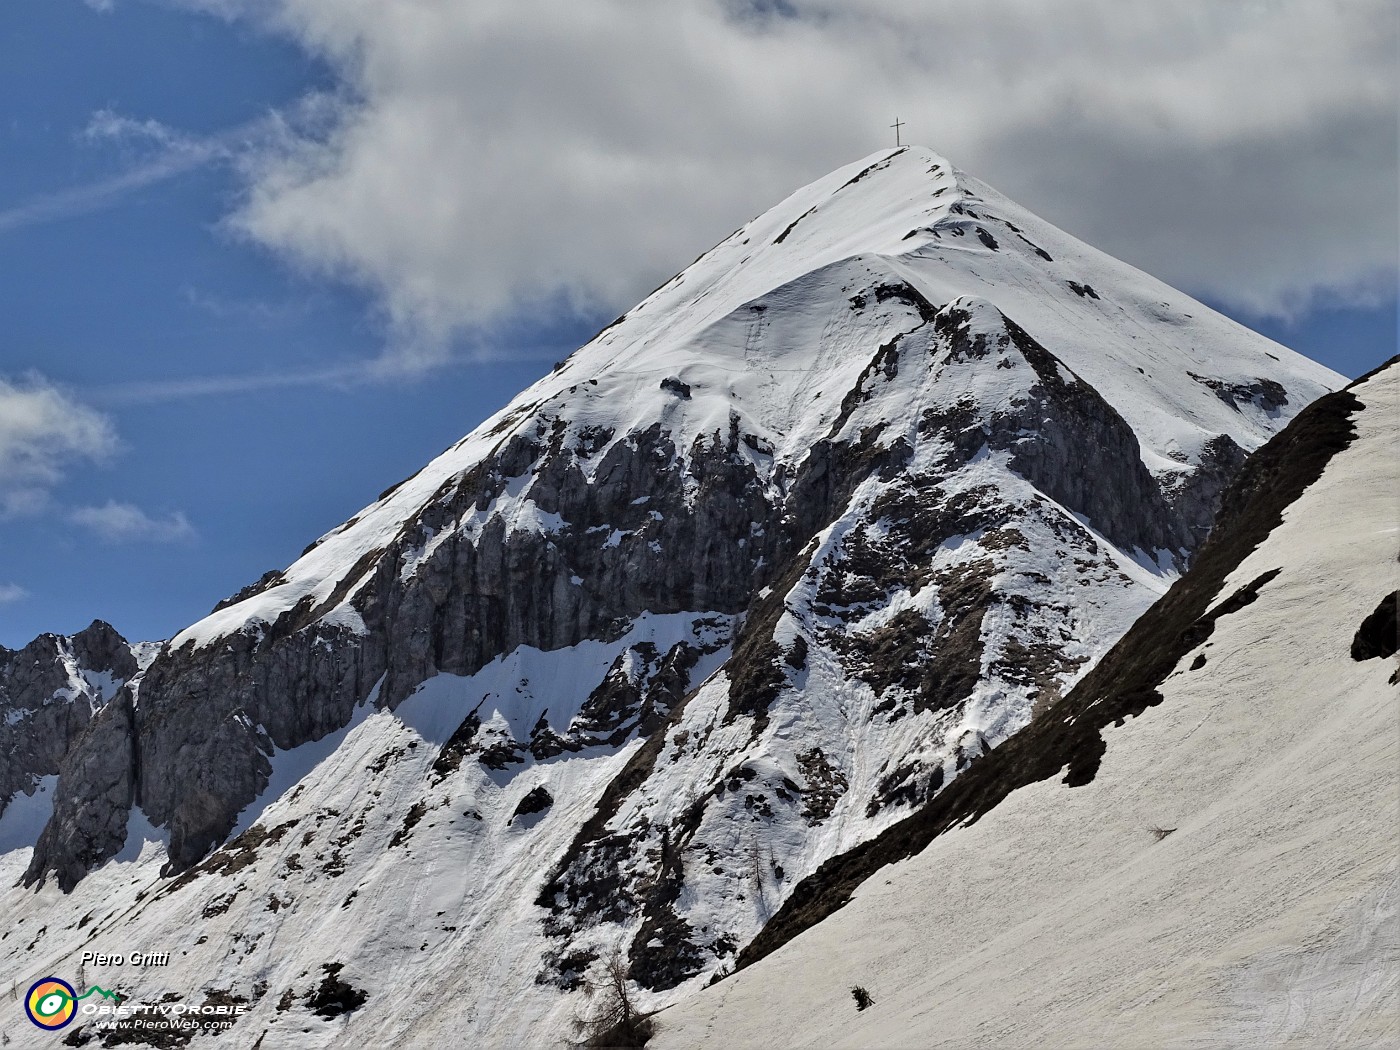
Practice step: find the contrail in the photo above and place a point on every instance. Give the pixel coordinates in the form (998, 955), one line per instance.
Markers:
(179, 155)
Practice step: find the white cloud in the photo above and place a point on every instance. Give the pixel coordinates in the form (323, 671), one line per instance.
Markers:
(490, 156)
(12, 592)
(109, 124)
(42, 430)
(115, 522)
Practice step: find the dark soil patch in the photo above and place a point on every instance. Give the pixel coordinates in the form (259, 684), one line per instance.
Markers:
(334, 997)
(675, 386)
(824, 785)
(456, 748)
(1035, 247)
(566, 969)
(415, 813)
(536, 801)
(237, 855)
(879, 164)
(1267, 394)
(663, 952)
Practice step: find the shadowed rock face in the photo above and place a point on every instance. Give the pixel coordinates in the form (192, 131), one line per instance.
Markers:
(37, 731)
(1058, 432)
(90, 816)
(48, 693)
(1069, 442)
(101, 649)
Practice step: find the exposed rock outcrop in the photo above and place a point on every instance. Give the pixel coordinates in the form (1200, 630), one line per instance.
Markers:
(49, 691)
(89, 823)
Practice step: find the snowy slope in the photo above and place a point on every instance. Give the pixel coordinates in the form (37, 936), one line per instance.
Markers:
(1269, 916)
(763, 567)
(336, 870)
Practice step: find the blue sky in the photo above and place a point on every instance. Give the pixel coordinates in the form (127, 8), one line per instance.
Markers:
(228, 336)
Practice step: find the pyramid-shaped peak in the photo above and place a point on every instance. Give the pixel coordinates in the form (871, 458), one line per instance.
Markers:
(907, 218)
(765, 335)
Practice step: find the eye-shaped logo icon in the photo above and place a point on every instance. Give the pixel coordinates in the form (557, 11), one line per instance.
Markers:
(51, 1003)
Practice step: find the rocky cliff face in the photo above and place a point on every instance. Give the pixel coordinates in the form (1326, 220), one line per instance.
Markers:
(49, 692)
(771, 560)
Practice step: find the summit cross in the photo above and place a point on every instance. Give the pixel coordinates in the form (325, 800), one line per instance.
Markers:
(897, 125)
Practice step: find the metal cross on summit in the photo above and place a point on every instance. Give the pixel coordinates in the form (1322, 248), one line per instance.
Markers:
(897, 125)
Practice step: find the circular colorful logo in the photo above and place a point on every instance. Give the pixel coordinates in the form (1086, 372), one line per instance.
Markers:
(51, 1003)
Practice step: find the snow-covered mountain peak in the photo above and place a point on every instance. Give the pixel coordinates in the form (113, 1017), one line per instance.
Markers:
(775, 557)
(765, 334)
(906, 217)
(864, 208)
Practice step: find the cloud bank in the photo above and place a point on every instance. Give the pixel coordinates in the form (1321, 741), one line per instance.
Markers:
(490, 157)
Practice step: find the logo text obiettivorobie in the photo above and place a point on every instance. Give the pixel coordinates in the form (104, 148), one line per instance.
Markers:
(52, 1003)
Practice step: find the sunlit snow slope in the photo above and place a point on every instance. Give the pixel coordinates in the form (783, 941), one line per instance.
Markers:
(1229, 877)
